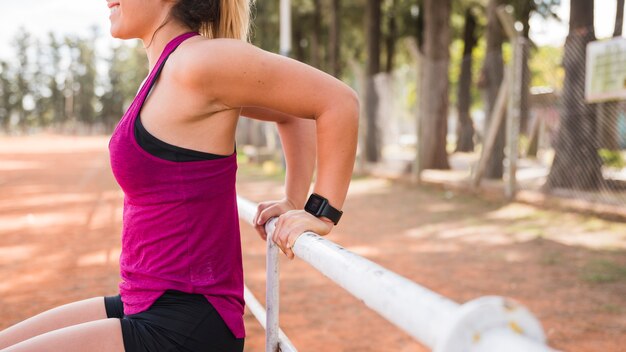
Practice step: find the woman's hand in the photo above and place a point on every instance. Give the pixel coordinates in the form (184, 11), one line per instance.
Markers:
(293, 223)
(270, 209)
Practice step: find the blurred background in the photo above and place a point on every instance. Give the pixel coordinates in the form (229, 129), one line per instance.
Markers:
(439, 66)
(491, 158)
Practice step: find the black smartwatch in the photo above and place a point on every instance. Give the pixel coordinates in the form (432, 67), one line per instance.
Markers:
(319, 206)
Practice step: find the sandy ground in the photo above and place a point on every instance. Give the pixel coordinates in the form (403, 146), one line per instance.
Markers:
(60, 222)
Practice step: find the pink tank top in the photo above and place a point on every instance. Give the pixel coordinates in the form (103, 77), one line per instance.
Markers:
(180, 221)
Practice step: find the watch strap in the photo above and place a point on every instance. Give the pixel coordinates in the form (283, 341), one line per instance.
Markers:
(332, 213)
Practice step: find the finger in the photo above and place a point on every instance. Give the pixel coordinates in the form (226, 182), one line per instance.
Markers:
(266, 214)
(261, 230)
(290, 242)
(295, 234)
(276, 231)
(259, 227)
(289, 239)
(259, 209)
(277, 237)
(281, 232)
(285, 227)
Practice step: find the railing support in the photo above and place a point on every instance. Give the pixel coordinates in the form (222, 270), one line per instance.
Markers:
(271, 290)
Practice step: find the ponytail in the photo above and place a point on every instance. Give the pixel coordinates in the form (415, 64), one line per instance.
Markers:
(216, 18)
(234, 21)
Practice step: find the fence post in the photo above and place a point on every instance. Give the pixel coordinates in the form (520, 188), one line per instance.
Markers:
(516, 68)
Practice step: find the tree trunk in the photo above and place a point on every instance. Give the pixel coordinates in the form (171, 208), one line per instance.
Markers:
(391, 38)
(608, 112)
(493, 73)
(465, 126)
(576, 164)
(434, 100)
(316, 35)
(525, 98)
(334, 40)
(297, 38)
(372, 133)
(619, 19)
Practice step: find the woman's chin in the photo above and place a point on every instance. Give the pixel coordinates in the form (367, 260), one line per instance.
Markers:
(116, 33)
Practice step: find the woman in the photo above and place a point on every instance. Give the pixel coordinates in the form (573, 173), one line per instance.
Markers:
(173, 154)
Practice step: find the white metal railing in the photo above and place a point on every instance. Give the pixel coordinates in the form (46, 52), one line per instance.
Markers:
(489, 323)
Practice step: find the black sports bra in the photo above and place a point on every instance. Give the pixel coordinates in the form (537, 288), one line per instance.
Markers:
(167, 151)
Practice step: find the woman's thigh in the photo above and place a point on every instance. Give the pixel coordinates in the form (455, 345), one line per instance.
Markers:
(103, 335)
(56, 318)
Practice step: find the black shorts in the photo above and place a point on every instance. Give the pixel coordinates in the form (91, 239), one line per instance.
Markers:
(177, 321)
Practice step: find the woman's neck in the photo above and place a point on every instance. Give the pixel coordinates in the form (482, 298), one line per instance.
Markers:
(157, 40)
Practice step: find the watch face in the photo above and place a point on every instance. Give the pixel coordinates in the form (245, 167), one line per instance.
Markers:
(314, 204)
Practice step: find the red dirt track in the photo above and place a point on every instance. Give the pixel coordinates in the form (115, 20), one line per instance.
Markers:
(60, 223)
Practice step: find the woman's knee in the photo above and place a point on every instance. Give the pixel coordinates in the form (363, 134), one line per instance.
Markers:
(103, 335)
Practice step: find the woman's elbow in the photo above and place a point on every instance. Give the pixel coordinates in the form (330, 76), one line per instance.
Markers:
(351, 105)
(354, 106)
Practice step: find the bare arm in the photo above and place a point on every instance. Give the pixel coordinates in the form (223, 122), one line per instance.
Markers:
(238, 74)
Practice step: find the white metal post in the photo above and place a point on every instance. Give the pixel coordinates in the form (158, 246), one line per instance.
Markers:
(247, 209)
(258, 311)
(285, 27)
(271, 291)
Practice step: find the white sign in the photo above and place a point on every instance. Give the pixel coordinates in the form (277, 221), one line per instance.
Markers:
(605, 77)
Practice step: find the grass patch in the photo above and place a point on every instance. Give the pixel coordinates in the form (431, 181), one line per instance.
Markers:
(603, 271)
(612, 158)
(592, 224)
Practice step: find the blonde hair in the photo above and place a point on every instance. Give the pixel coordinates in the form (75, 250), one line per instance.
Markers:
(215, 18)
(234, 21)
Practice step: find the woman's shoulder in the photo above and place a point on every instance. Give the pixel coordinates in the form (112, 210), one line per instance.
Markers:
(218, 51)
(203, 60)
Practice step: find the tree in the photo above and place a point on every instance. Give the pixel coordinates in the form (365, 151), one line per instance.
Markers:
(465, 126)
(334, 40)
(128, 66)
(7, 94)
(492, 76)
(42, 112)
(619, 19)
(112, 99)
(316, 34)
(56, 94)
(265, 27)
(22, 77)
(391, 35)
(86, 79)
(372, 133)
(576, 164)
(434, 100)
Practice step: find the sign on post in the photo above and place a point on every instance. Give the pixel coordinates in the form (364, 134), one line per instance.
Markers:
(605, 77)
